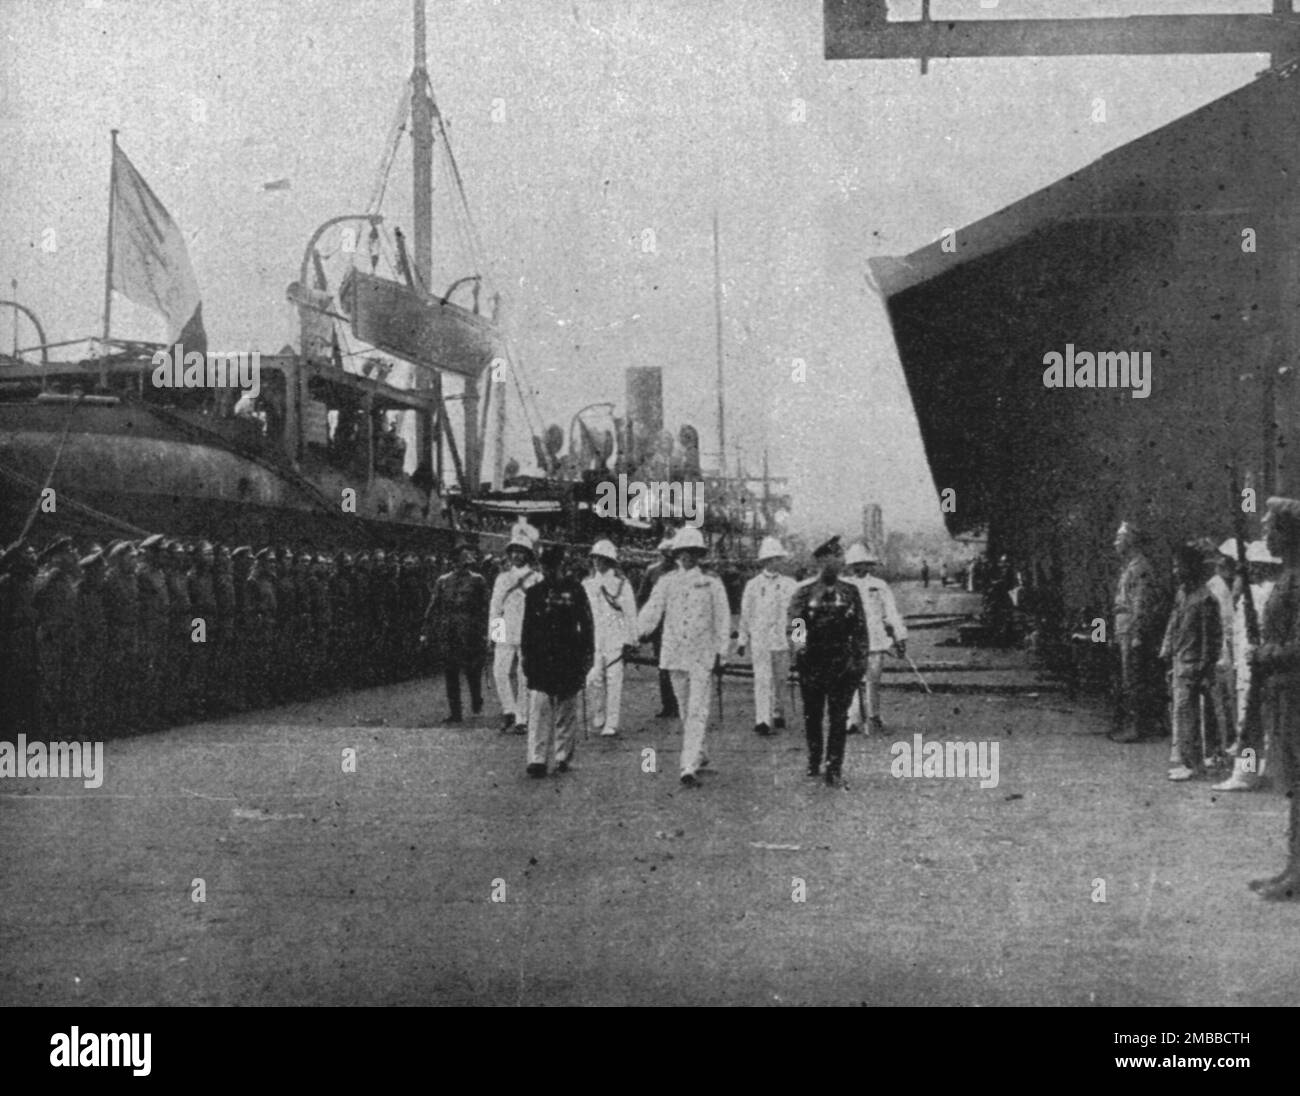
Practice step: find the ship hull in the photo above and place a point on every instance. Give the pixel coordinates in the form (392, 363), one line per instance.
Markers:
(124, 468)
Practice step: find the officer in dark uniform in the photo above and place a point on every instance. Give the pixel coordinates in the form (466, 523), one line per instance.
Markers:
(57, 635)
(456, 623)
(829, 629)
(667, 699)
(122, 624)
(556, 647)
(19, 681)
(151, 583)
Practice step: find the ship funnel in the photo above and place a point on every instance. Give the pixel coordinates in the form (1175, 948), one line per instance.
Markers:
(645, 408)
(688, 440)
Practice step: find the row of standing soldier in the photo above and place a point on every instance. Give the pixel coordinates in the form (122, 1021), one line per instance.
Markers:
(133, 636)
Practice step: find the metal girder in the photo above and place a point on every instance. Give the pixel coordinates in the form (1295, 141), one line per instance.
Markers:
(858, 29)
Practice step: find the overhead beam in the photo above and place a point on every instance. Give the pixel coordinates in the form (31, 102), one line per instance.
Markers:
(859, 30)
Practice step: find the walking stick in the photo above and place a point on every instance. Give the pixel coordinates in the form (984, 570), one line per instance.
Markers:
(718, 677)
(916, 671)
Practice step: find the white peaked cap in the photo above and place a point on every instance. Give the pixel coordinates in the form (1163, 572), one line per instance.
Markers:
(771, 549)
(688, 537)
(605, 549)
(520, 539)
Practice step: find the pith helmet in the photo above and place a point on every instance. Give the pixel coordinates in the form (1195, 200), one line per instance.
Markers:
(859, 553)
(1257, 552)
(605, 549)
(521, 540)
(688, 539)
(771, 549)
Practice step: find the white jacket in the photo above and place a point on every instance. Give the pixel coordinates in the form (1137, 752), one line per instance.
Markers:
(763, 609)
(613, 609)
(882, 612)
(696, 618)
(508, 603)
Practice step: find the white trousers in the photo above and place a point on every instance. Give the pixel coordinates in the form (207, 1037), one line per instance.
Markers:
(514, 699)
(605, 689)
(691, 688)
(551, 731)
(771, 674)
(871, 687)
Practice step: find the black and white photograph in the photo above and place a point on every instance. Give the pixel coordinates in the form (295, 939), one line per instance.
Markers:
(563, 503)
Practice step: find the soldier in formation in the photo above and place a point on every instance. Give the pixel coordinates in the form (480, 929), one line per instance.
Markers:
(129, 636)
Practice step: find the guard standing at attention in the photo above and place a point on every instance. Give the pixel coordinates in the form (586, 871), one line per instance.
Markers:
(151, 584)
(1276, 661)
(1140, 617)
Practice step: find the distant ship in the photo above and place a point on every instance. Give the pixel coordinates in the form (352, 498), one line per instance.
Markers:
(333, 451)
(94, 446)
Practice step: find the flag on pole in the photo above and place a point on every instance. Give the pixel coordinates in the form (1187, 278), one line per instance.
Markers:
(150, 264)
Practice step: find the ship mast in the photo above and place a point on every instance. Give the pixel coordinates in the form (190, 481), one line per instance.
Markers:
(717, 309)
(422, 197)
(108, 264)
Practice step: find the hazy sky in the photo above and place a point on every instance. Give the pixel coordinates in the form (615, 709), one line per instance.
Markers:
(578, 126)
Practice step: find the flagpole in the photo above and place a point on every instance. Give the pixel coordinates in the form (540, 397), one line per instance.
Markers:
(108, 265)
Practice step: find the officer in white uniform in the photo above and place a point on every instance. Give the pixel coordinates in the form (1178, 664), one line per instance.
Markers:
(505, 626)
(885, 631)
(613, 609)
(763, 609)
(696, 637)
